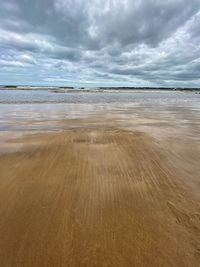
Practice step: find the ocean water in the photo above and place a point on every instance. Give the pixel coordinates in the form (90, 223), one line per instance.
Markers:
(43, 109)
(136, 96)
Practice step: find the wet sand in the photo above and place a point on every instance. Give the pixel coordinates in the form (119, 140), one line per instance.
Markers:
(100, 196)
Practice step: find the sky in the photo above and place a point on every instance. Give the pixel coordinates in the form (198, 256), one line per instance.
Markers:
(100, 42)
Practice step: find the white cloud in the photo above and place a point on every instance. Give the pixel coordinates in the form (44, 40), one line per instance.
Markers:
(104, 41)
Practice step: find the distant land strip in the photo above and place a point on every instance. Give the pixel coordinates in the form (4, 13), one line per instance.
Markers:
(71, 88)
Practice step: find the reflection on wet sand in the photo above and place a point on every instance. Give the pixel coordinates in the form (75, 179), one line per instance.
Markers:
(118, 188)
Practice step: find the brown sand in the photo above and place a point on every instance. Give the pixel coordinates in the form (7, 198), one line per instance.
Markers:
(98, 197)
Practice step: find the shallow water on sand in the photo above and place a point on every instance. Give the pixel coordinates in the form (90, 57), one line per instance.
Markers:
(35, 109)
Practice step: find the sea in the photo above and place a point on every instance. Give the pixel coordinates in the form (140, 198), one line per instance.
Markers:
(31, 109)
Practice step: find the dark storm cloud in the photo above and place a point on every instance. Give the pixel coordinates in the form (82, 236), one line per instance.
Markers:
(137, 42)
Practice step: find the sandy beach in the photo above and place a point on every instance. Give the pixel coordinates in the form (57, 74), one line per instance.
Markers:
(114, 189)
(97, 197)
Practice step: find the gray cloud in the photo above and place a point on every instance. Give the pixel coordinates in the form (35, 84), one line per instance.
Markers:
(141, 42)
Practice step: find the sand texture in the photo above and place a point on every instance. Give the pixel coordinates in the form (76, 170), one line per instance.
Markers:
(99, 197)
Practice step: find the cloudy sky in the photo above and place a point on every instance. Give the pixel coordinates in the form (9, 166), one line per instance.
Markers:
(100, 42)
